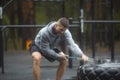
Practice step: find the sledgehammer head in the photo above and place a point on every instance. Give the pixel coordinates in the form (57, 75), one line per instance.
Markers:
(94, 61)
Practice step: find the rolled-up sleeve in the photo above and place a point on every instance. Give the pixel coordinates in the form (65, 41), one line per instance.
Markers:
(71, 44)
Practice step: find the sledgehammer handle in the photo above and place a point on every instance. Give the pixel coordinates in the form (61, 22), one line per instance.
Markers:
(80, 59)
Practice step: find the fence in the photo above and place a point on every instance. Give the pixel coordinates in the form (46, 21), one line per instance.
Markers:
(1, 52)
(93, 24)
(81, 27)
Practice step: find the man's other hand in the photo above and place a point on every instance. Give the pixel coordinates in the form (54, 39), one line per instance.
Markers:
(84, 57)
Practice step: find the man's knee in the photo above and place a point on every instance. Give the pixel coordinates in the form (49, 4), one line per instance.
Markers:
(36, 57)
(64, 61)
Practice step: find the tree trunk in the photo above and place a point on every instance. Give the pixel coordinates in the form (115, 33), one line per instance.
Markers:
(26, 15)
(12, 22)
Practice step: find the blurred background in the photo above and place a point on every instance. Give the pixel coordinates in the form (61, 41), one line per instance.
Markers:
(38, 12)
(94, 24)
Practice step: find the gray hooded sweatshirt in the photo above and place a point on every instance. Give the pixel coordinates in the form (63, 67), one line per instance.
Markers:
(47, 41)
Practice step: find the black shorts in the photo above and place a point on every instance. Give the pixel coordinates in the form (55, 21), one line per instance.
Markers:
(34, 48)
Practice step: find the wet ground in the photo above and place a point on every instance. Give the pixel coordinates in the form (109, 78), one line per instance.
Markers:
(18, 66)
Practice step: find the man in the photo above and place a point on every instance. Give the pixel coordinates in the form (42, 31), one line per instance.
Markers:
(46, 41)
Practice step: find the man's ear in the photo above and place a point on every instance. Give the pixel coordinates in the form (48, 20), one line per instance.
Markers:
(55, 26)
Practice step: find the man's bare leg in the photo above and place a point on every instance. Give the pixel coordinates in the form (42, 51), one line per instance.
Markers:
(36, 65)
(61, 69)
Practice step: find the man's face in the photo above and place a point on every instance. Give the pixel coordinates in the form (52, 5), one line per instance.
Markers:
(58, 29)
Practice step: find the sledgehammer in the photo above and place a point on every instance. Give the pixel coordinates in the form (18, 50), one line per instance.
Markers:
(90, 60)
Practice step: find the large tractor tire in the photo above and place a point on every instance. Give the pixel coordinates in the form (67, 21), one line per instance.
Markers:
(105, 71)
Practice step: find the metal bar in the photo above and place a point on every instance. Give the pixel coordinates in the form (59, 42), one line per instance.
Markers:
(93, 41)
(1, 45)
(1, 50)
(101, 21)
(81, 21)
(73, 25)
(63, 8)
(22, 25)
(112, 33)
(98, 21)
(49, 0)
(35, 26)
(93, 27)
(70, 61)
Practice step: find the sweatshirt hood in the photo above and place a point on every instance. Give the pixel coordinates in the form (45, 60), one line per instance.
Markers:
(50, 26)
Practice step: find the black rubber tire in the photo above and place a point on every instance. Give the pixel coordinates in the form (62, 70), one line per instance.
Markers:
(106, 71)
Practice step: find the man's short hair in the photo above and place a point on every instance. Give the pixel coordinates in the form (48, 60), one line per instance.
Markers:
(64, 22)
